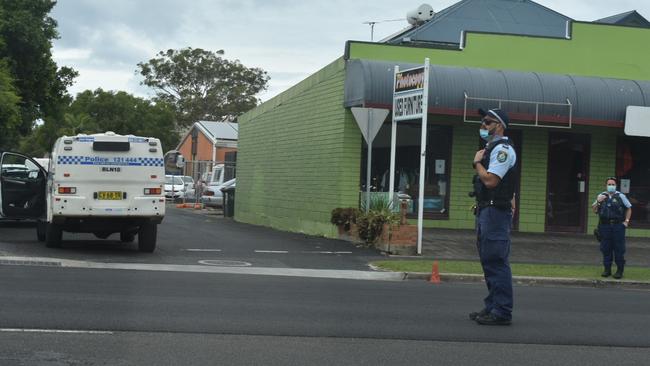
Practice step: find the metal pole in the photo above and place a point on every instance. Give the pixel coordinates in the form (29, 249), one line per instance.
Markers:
(393, 143)
(368, 168)
(423, 152)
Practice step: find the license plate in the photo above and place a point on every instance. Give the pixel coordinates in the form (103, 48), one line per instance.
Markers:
(109, 195)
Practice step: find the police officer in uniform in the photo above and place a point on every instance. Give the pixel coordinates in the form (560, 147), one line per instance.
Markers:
(494, 187)
(614, 211)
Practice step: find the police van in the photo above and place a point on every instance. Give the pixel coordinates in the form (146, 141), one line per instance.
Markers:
(105, 184)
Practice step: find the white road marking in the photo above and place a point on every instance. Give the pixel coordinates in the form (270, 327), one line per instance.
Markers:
(202, 250)
(66, 331)
(198, 268)
(272, 251)
(325, 252)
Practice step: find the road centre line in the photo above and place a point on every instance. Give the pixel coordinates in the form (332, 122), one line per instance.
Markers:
(201, 250)
(59, 331)
(272, 251)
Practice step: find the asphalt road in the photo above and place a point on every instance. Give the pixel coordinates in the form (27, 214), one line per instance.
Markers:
(187, 237)
(54, 315)
(168, 318)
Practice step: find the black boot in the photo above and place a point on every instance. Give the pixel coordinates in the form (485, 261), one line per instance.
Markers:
(607, 272)
(619, 271)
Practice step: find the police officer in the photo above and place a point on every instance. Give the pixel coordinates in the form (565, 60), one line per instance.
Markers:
(494, 191)
(614, 211)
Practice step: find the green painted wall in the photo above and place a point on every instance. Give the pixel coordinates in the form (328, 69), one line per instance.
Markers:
(532, 192)
(299, 157)
(593, 50)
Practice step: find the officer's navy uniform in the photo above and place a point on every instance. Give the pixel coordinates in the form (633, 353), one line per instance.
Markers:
(494, 219)
(611, 212)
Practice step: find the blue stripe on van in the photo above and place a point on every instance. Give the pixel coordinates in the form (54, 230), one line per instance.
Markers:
(116, 161)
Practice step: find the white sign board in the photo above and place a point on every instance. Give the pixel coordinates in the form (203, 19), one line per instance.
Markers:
(440, 166)
(625, 186)
(408, 94)
(637, 121)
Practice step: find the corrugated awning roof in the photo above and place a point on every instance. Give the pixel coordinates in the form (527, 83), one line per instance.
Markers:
(595, 101)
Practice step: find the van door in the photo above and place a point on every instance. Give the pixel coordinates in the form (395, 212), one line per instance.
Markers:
(22, 187)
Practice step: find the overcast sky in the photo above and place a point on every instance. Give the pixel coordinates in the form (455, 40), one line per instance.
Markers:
(104, 39)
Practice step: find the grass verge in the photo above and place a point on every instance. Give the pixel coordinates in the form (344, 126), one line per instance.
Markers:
(518, 269)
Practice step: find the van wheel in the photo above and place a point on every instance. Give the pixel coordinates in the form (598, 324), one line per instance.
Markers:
(41, 227)
(53, 235)
(127, 237)
(147, 237)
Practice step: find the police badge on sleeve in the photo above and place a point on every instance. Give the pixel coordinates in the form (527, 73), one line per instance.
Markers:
(502, 156)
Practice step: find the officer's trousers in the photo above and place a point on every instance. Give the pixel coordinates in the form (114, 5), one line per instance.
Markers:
(493, 241)
(612, 244)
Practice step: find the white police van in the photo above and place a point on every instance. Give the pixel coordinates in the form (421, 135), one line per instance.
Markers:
(104, 184)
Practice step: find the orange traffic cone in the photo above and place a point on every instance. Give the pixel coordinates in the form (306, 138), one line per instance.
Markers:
(435, 275)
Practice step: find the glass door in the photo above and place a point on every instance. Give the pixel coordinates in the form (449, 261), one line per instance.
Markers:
(568, 169)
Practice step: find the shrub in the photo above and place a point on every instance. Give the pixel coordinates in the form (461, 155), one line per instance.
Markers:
(344, 216)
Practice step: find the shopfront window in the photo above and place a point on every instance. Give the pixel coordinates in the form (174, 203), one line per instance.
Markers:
(633, 172)
(407, 166)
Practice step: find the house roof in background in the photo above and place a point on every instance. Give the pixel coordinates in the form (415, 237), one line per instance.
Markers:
(215, 130)
(523, 17)
(631, 18)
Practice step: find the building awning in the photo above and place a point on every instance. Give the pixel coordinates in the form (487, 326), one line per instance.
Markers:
(594, 101)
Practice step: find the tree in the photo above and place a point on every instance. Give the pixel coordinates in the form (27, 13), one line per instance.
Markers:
(201, 85)
(123, 113)
(100, 111)
(9, 110)
(27, 31)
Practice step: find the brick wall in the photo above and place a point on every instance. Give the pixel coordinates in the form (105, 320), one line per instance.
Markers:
(299, 157)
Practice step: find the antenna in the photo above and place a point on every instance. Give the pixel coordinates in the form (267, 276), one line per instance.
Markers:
(372, 26)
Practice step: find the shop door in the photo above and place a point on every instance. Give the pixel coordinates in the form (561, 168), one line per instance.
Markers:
(568, 169)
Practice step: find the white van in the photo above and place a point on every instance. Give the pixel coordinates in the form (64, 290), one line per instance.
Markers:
(104, 184)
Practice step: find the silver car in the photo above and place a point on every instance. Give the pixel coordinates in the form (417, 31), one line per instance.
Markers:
(212, 195)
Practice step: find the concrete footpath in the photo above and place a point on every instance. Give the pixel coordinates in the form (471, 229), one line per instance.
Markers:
(535, 248)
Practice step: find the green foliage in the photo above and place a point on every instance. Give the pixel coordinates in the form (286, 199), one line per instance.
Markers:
(26, 34)
(344, 216)
(370, 225)
(377, 203)
(201, 85)
(9, 110)
(100, 111)
(122, 113)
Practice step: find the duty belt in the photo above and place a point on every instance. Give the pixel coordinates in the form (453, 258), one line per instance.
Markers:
(502, 205)
(610, 221)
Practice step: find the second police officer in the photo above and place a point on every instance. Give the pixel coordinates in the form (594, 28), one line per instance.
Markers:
(494, 188)
(614, 211)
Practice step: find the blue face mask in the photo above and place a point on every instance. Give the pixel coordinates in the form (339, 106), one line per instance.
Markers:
(611, 189)
(485, 134)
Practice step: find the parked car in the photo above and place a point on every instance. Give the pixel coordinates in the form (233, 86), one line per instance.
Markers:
(212, 195)
(174, 187)
(190, 191)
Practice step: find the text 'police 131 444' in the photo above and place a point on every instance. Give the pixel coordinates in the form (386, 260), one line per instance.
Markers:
(408, 106)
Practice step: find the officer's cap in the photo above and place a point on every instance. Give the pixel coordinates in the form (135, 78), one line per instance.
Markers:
(497, 113)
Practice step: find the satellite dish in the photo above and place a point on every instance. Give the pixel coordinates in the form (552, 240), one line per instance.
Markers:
(420, 15)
